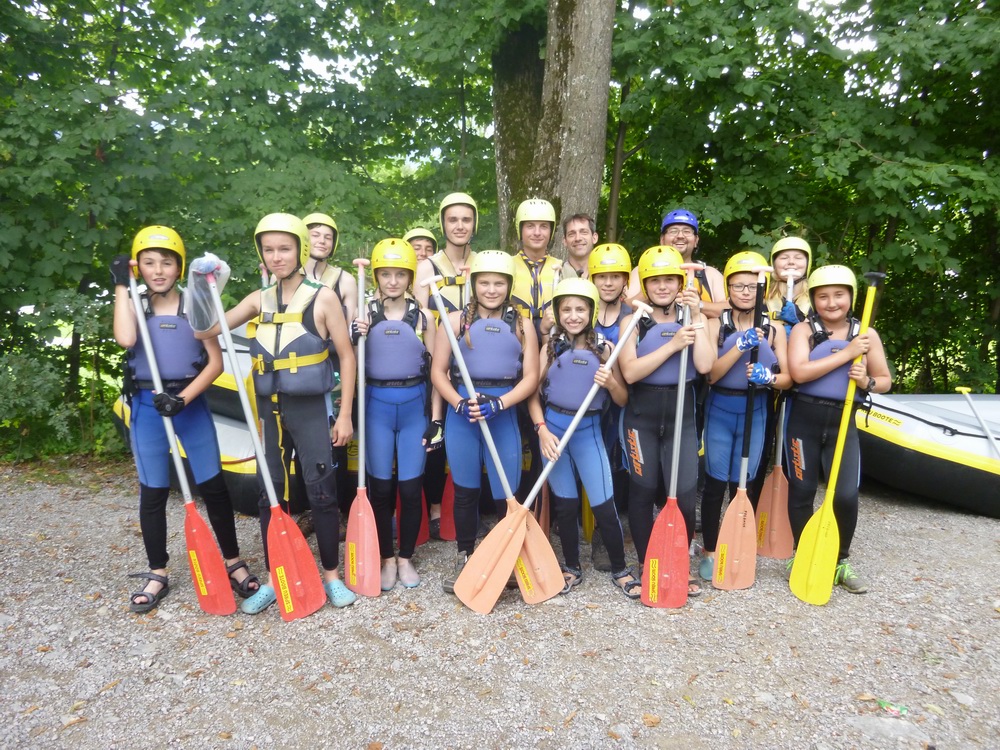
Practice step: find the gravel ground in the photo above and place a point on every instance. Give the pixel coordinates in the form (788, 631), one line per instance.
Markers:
(414, 668)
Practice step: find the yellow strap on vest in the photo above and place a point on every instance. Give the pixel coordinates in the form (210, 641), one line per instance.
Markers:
(291, 363)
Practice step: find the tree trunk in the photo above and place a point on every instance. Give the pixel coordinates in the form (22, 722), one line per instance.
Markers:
(553, 147)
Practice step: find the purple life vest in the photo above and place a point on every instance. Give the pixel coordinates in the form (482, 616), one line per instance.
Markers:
(570, 378)
(653, 338)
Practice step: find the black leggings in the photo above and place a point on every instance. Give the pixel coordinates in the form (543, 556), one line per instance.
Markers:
(384, 505)
(809, 446)
(153, 519)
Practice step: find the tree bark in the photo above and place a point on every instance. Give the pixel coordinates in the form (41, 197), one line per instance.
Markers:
(555, 149)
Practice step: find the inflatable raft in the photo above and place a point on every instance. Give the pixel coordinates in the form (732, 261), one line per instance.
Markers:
(933, 446)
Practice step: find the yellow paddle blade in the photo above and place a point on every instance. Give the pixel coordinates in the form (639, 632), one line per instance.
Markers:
(537, 570)
(586, 517)
(736, 553)
(486, 573)
(815, 562)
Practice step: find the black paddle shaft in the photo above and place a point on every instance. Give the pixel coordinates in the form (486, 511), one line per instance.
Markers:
(758, 320)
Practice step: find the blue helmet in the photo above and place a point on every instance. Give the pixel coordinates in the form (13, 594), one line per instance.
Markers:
(680, 216)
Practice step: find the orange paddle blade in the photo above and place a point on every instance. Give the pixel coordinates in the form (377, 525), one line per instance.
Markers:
(537, 570)
(486, 573)
(665, 572)
(208, 569)
(294, 573)
(364, 563)
(774, 531)
(815, 562)
(736, 553)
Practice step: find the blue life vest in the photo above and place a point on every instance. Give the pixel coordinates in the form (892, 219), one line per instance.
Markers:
(179, 355)
(736, 377)
(651, 337)
(495, 355)
(570, 378)
(395, 354)
(613, 331)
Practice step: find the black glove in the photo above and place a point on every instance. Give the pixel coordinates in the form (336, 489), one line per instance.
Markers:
(464, 408)
(434, 435)
(168, 404)
(489, 406)
(120, 270)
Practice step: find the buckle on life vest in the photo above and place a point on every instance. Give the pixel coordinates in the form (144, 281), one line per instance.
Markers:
(279, 318)
(291, 363)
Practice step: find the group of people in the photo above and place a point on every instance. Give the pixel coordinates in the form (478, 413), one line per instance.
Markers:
(534, 333)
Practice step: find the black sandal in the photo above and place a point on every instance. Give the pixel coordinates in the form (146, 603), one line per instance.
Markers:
(242, 588)
(434, 528)
(152, 600)
(632, 588)
(572, 576)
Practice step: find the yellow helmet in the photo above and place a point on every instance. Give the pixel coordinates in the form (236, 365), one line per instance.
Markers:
(660, 260)
(535, 209)
(326, 221)
(745, 262)
(833, 276)
(459, 199)
(492, 261)
(577, 288)
(793, 243)
(609, 258)
(419, 233)
(288, 224)
(394, 253)
(158, 237)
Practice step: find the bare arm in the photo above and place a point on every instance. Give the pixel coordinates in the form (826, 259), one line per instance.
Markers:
(125, 329)
(330, 324)
(207, 376)
(441, 363)
(247, 309)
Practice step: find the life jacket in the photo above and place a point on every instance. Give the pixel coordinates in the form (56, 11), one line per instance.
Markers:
(613, 331)
(496, 354)
(330, 278)
(570, 378)
(704, 288)
(532, 291)
(179, 355)
(395, 355)
(833, 385)
(651, 337)
(454, 289)
(287, 355)
(736, 377)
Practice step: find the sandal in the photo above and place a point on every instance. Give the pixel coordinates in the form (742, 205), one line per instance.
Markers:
(434, 528)
(261, 600)
(572, 576)
(242, 588)
(152, 600)
(694, 588)
(632, 588)
(339, 594)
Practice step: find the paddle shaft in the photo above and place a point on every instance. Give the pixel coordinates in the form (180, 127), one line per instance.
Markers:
(154, 370)
(758, 321)
(362, 379)
(979, 417)
(848, 410)
(431, 284)
(234, 365)
(675, 454)
(641, 311)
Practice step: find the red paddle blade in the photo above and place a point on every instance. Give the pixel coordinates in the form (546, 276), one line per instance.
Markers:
(363, 574)
(294, 573)
(448, 510)
(736, 553)
(815, 562)
(486, 573)
(537, 570)
(208, 569)
(665, 572)
(774, 531)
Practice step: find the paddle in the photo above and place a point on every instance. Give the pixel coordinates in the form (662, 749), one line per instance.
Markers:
(979, 417)
(665, 572)
(774, 531)
(736, 553)
(486, 572)
(815, 563)
(208, 569)
(293, 569)
(363, 574)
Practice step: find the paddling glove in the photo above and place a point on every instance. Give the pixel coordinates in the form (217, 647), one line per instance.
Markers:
(748, 340)
(120, 271)
(789, 313)
(168, 404)
(434, 435)
(355, 333)
(464, 409)
(489, 406)
(761, 375)
(198, 303)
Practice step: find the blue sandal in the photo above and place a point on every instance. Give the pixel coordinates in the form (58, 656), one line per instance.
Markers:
(339, 594)
(261, 600)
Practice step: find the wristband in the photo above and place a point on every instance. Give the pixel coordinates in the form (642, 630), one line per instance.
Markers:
(539, 425)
